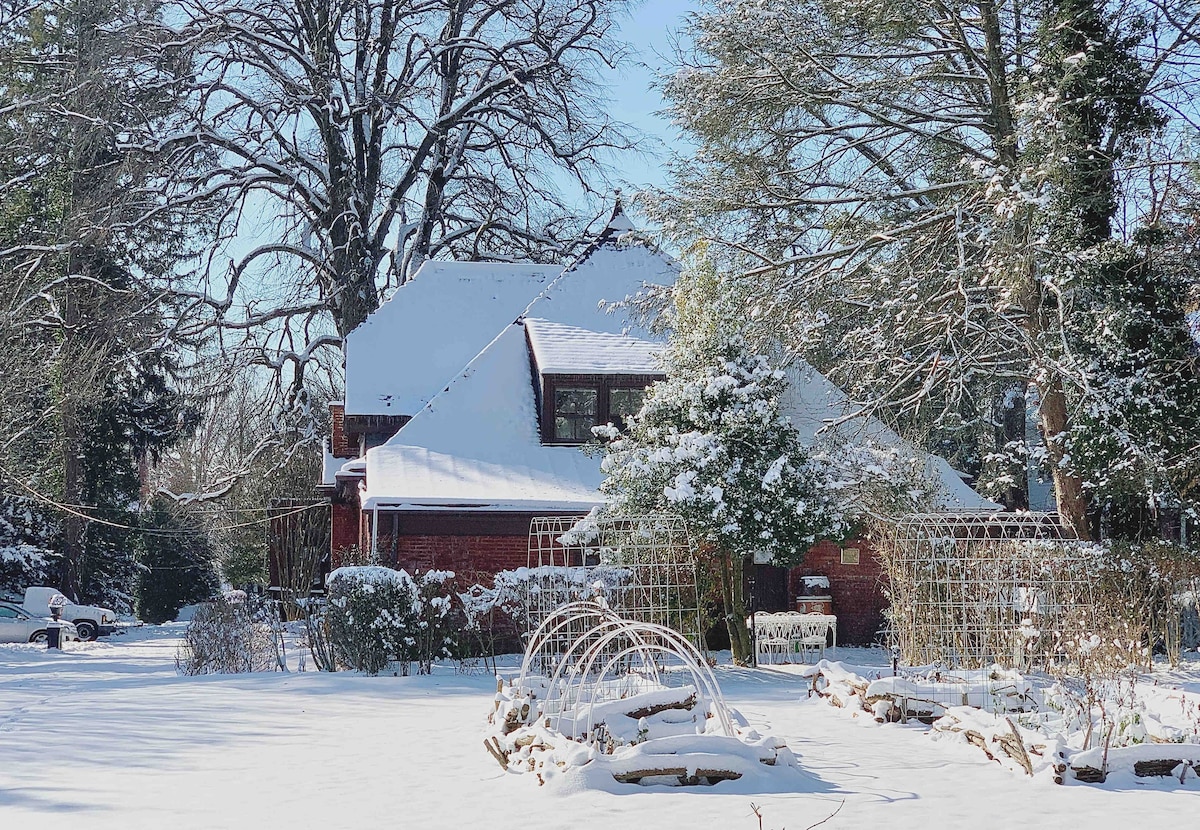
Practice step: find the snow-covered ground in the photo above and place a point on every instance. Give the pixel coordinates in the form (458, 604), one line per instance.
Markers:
(107, 735)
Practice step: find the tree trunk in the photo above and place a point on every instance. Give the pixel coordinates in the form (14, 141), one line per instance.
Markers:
(71, 359)
(1010, 440)
(73, 525)
(733, 595)
(1068, 487)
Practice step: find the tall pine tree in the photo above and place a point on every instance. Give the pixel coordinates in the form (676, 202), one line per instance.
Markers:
(88, 256)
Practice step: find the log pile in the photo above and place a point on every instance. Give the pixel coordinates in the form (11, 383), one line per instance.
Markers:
(657, 737)
(998, 740)
(1147, 760)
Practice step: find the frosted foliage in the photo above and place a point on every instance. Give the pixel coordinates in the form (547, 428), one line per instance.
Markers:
(379, 617)
(893, 207)
(26, 540)
(711, 445)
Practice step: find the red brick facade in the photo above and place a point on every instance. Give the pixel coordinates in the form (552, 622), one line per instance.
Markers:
(472, 558)
(477, 546)
(339, 443)
(345, 530)
(858, 599)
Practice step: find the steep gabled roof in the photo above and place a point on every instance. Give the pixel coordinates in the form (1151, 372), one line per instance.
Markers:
(607, 272)
(430, 328)
(476, 446)
(816, 407)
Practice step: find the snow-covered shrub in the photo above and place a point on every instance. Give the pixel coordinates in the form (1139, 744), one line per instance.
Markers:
(495, 616)
(372, 617)
(226, 637)
(26, 537)
(376, 615)
(439, 619)
(493, 619)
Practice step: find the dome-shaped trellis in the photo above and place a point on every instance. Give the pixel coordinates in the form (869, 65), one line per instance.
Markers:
(602, 657)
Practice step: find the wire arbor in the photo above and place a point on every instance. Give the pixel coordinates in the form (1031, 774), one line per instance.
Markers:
(641, 567)
(614, 659)
(971, 591)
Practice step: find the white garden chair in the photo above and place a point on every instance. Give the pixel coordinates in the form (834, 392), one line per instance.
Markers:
(771, 636)
(811, 632)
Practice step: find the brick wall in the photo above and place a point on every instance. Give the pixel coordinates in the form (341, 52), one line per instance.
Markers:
(472, 558)
(339, 443)
(343, 529)
(858, 600)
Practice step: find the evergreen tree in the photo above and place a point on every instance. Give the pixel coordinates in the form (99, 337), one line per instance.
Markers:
(176, 564)
(88, 255)
(1137, 430)
(27, 555)
(711, 445)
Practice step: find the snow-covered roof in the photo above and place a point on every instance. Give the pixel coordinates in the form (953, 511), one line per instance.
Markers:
(814, 403)
(430, 328)
(476, 446)
(584, 293)
(476, 443)
(563, 349)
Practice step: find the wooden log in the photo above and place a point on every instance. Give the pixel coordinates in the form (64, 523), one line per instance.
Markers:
(1157, 767)
(702, 776)
(1088, 775)
(492, 745)
(646, 711)
(978, 740)
(1014, 746)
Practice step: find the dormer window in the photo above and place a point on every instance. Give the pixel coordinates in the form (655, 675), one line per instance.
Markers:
(575, 411)
(573, 404)
(623, 402)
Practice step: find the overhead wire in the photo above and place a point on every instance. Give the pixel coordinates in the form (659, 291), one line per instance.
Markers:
(74, 511)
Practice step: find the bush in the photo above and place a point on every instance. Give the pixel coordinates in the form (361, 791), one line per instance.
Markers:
(375, 616)
(371, 617)
(226, 637)
(439, 620)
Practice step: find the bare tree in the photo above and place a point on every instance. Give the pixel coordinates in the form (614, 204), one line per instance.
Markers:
(376, 134)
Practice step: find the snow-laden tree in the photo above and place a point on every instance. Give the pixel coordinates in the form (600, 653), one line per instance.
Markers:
(903, 188)
(358, 138)
(1137, 435)
(711, 445)
(27, 553)
(88, 254)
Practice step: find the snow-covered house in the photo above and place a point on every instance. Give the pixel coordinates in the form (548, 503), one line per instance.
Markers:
(470, 392)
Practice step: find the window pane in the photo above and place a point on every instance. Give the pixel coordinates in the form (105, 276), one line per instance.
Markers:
(622, 402)
(574, 414)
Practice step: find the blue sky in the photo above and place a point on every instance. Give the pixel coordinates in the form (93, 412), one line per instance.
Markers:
(648, 30)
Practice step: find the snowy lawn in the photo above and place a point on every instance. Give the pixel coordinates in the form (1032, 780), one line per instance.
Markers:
(107, 735)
